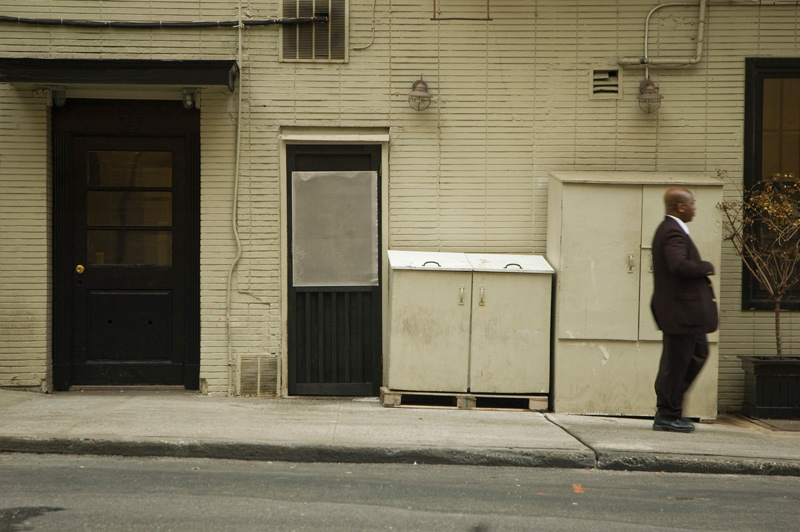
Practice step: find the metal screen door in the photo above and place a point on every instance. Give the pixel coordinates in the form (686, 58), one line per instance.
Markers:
(334, 270)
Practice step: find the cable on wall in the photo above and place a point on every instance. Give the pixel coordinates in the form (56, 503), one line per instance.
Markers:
(235, 217)
(76, 23)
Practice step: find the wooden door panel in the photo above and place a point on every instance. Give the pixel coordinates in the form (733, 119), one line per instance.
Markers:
(128, 326)
(127, 244)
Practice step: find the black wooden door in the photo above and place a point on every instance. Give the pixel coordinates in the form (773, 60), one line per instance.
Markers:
(126, 244)
(334, 270)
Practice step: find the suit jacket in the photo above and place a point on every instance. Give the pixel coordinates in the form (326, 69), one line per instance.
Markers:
(683, 298)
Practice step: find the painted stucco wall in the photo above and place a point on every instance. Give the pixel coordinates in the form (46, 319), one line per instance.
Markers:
(512, 103)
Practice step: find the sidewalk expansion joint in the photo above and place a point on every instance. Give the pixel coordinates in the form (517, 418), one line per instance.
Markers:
(578, 438)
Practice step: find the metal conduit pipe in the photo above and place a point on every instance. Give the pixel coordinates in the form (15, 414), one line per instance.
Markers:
(748, 3)
(647, 61)
(159, 24)
(672, 61)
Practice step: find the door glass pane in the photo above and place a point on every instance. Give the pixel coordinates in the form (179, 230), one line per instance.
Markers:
(129, 208)
(335, 228)
(129, 247)
(129, 168)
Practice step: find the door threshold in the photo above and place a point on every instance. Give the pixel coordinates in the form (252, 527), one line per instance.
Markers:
(132, 388)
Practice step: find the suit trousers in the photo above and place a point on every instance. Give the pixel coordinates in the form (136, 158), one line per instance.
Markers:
(682, 358)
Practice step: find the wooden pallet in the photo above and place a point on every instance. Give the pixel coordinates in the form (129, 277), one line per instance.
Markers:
(392, 398)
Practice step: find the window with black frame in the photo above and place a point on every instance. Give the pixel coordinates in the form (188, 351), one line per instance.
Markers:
(772, 146)
(319, 42)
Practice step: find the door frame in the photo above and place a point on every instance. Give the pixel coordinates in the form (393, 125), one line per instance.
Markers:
(356, 136)
(123, 124)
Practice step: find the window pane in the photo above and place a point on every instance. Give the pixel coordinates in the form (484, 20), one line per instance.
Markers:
(790, 152)
(772, 105)
(790, 101)
(129, 208)
(129, 247)
(335, 228)
(770, 153)
(129, 169)
(289, 32)
(306, 31)
(338, 27)
(777, 87)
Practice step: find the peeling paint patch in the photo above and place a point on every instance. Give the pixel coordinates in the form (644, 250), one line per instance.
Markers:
(606, 354)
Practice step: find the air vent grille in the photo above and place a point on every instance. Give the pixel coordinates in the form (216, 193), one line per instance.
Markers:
(605, 84)
(258, 375)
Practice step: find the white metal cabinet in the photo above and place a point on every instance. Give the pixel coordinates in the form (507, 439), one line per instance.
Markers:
(477, 323)
(430, 295)
(510, 345)
(599, 238)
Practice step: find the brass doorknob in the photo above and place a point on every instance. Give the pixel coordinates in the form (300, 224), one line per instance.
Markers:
(79, 268)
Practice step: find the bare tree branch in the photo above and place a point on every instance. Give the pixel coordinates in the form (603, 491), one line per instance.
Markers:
(764, 228)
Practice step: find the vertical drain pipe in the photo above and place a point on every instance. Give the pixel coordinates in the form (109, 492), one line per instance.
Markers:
(235, 213)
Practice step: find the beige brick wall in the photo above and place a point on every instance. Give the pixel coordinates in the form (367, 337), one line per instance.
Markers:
(25, 207)
(512, 103)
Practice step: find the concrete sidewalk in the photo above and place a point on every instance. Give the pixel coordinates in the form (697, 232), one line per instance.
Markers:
(187, 424)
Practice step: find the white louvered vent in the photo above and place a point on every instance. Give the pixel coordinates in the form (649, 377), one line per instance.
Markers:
(605, 84)
(258, 375)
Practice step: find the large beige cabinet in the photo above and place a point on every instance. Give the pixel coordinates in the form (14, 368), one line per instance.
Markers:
(607, 347)
(469, 323)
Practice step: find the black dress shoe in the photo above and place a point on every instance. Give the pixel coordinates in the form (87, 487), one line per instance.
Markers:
(672, 425)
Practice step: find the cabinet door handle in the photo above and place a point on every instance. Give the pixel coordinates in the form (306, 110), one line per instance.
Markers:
(651, 262)
(481, 301)
(631, 263)
(461, 295)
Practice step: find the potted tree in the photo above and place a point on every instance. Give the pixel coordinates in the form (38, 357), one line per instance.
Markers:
(764, 228)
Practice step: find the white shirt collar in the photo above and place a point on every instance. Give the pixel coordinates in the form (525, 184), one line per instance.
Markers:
(680, 222)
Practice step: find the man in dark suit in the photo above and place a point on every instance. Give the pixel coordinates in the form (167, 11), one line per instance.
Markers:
(684, 308)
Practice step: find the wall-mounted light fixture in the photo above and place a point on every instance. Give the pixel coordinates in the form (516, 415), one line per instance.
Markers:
(419, 98)
(649, 98)
(59, 95)
(191, 98)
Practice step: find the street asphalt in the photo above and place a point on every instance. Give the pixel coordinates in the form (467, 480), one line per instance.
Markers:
(361, 430)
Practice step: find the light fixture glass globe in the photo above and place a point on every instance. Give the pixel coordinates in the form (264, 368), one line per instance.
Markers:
(419, 98)
(649, 97)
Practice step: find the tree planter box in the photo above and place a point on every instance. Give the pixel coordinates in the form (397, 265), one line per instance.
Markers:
(772, 387)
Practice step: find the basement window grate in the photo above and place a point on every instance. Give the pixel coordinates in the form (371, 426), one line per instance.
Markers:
(605, 84)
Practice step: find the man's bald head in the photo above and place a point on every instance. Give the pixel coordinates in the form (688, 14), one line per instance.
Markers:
(679, 203)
